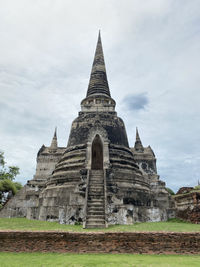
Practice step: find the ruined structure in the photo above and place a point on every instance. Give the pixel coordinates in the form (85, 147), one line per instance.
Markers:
(97, 179)
(187, 202)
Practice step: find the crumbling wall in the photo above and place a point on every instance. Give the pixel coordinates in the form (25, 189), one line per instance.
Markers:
(16, 206)
(188, 206)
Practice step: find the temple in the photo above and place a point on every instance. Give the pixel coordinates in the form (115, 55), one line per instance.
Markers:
(97, 179)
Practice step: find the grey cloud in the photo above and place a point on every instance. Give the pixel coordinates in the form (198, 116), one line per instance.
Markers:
(136, 102)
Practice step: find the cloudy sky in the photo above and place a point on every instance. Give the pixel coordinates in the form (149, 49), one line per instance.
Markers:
(152, 54)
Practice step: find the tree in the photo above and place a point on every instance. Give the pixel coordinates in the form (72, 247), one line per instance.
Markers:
(8, 188)
(197, 187)
(9, 172)
(170, 191)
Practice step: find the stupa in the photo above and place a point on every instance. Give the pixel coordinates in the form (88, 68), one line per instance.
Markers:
(97, 179)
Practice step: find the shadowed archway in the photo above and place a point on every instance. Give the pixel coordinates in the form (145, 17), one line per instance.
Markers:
(97, 153)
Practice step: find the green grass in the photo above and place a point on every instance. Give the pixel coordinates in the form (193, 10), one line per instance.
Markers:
(8, 259)
(173, 225)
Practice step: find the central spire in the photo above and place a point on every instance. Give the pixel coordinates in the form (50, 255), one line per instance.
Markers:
(98, 79)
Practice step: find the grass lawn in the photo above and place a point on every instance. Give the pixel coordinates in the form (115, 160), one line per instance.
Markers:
(173, 225)
(8, 259)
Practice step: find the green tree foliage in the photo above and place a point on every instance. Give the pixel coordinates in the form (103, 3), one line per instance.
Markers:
(9, 172)
(197, 187)
(8, 188)
(18, 185)
(170, 191)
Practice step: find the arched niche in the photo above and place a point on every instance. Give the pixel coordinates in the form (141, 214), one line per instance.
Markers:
(97, 154)
(101, 136)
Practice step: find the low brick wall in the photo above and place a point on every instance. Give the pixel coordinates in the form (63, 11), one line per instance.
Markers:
(99, 242)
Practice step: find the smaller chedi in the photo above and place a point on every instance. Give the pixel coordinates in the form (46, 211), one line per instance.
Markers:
(97, 179)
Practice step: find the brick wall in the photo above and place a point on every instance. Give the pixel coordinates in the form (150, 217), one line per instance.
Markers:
(109, 242)
(188, 206)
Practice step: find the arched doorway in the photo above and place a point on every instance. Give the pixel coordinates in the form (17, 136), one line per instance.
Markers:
(97, 153)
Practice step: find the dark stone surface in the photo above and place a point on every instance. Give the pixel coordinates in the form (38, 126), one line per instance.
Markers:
(113, 125)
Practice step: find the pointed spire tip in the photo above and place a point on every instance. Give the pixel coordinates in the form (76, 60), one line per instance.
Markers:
(99, 37)
(55, 132)
(54, 143)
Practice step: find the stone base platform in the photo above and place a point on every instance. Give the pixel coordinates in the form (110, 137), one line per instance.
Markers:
(101, 242)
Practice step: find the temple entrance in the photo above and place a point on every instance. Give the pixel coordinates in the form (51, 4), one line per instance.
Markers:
(97, 153)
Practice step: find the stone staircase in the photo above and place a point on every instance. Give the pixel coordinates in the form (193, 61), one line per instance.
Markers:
(96, 203)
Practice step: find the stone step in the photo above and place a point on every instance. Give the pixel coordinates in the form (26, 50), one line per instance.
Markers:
(97, 201)
(95, 226)
(95, 221)
(96, 196)
(96, 183)
(95, 217)
(95, 209)
(93, 191)
(96, 193)
(96, 179)
(96, 213)
(96, 186)
(96, 190)
(96, 205)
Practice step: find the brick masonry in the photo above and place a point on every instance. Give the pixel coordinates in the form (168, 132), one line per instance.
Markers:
(188, 206)
(99, 242)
